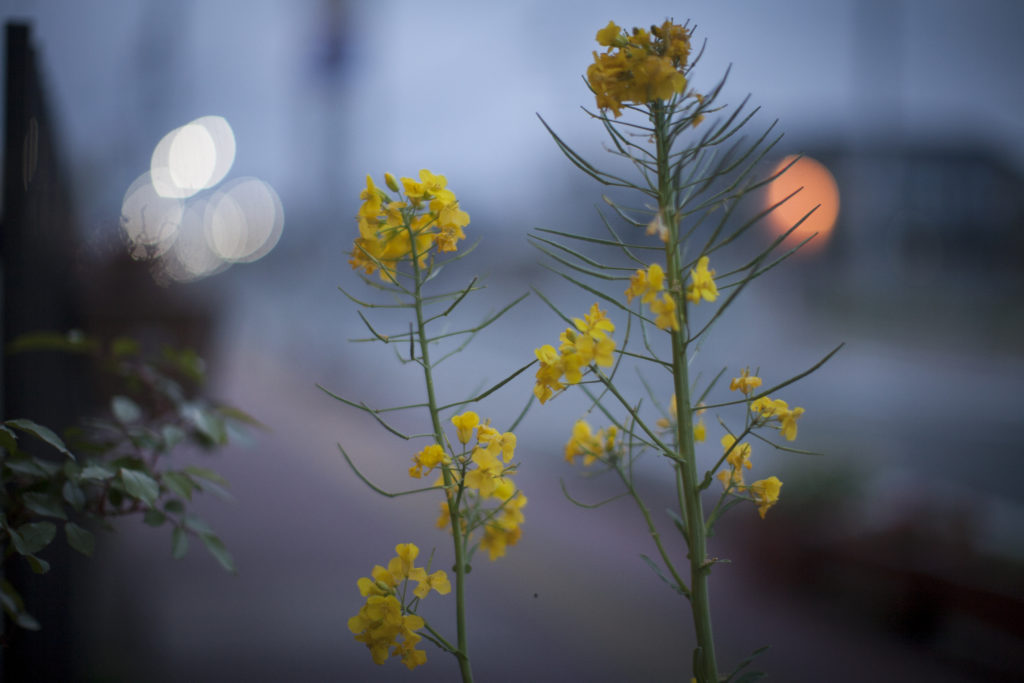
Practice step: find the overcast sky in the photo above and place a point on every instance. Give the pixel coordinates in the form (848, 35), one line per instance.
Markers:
(455, 85)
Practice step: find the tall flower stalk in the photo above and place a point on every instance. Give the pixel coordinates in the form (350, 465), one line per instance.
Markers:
(693, 177)
(407, 233)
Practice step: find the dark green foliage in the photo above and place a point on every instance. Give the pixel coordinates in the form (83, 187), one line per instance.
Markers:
(112, 465)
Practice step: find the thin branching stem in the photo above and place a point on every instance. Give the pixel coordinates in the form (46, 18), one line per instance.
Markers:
(685, 461)
(462, 651)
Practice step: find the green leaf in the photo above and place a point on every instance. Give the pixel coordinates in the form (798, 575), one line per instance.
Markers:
(78, 538)
(179, 543)
(657, 570)
(74, 495)
(15, 608)
(718, 511)
(40, 432)
(213, 481)
(175, 507)
(9, 598)
(124, 346)
(170, 390)
(131, 462)
(238, 415)
(97, 472)
(140, 485)
(25, 465)
(8, 439)
(38, 564)
(677, 521)
(144, 439)
(30, 538)
(27, 621)
(197, 525)
(173, 435)
(186, 361)
(154, 517)
(73, 342)
(125, 410)
(748, 677)
(179, 484)
(206, 423)
(208, 475)
(219, 552)
(49, 468)
(215, 489)
(44, 504)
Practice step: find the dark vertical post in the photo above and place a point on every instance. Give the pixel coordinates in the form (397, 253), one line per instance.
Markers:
(37, 244)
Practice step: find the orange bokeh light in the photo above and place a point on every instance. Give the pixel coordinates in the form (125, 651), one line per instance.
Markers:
(819, 189)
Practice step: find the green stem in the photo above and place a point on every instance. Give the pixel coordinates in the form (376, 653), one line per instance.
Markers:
(653, 530)
(705, 665)
(462, 653)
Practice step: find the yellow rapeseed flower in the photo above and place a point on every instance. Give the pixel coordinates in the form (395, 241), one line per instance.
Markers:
(496, 540)
(549, 374)
(664, 310)
(465, 424)
(646, 284)
(438, 581)
(787, 419)
(778, 409)
(702, 283)
(404, 560)
(609, 34)
(745, 382)
(764, 406)
(486, 477)
(426, 460)
(592, 446)
(738, 454)
(766, 493)
(731, 478)
(738, 457)
(445, 517)
(595, 323)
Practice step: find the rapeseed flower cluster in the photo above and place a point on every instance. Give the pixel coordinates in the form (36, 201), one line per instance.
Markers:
(777, 409)
(639, 67)
(647, 285)
(425, 216)
(764, 492)
(482, 474)
(384, 623)
(503, 530)
(592, 446)
(738, 457)
(589, 343)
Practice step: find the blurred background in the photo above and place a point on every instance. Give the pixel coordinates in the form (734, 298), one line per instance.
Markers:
(898, 555)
